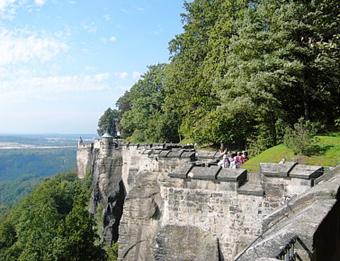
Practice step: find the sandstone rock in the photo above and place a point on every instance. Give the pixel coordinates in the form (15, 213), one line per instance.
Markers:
(185, 243)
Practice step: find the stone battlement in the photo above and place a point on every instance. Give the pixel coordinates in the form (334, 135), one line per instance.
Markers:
(292, 177)
(173, 191)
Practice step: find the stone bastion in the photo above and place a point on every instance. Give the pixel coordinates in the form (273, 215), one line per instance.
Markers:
(172, 202)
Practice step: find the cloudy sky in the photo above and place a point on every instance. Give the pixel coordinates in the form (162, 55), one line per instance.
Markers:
(63, 62)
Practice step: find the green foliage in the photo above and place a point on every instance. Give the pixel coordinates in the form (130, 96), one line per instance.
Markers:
(301, 139)
(145, 120)
(107, 122)
(12, 191)
(52, 223)
(239, 74)
(112, 252)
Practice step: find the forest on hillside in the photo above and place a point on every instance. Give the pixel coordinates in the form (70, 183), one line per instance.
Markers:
(239, 74)
(53, 223)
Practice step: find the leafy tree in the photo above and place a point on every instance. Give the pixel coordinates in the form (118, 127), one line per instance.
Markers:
(239, 73)
(301, 138)
(146, 120)
(76, 238)
(52, 223)
(108, 122)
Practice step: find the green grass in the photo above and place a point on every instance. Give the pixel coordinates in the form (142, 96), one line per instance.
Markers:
(328, 154)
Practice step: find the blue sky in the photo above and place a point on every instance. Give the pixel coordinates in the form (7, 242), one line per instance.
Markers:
(62, 63)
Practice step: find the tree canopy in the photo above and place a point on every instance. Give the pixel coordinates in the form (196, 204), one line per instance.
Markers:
(108, 122)
(240, 73)
(52, 223)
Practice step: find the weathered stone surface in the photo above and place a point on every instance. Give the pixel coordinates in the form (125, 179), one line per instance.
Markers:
(176, 153)
(266, 259)
(139, 223)
(206, 154)
(170, 216)
(164, 153)
(147, 151)
(306, 171)
(107, 188)
(251, 189)
(204, 173)
(188, 154)
(156, 151)
(84, 158)
(181, 172)
(309, 217)
(276, 170)
(185, 243)
(232, 175)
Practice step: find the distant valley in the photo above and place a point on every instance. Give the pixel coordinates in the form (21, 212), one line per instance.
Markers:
(27, 159)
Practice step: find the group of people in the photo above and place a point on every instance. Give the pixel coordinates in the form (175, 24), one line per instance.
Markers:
(232, 160)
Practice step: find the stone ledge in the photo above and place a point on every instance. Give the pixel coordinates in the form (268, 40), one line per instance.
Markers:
(277, 170)
(147, 151)
(306, 171)
(251, 189)
(232, 175)
(164, 153)
(204, 173)
(181, 172)
(206, 154)
(175, 154)
(188, 154)
(156, 151)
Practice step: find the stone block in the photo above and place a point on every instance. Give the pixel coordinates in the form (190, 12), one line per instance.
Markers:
(147, 151)
(188, 154)
(164, 153)
(204, 173)
(306, 171)
(276, 169)
(251, 189)
(206, 154)
(232, 175)
(181, 172)
(185, 243)
(172, 146)
(175, 154)
(157, 146)
(156, 151)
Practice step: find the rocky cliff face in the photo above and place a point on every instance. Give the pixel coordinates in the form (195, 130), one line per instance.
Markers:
(104, 163)
(169, 202)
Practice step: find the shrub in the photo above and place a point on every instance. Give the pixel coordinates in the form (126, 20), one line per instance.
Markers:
(301, 138)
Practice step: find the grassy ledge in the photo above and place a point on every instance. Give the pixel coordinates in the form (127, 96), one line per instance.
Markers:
(327, 155)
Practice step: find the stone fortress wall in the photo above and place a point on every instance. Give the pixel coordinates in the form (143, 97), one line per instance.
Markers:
(176, 204)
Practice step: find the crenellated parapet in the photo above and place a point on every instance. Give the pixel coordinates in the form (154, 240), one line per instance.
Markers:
(277, 181)
(305, 228)
(224, 202)
(174, 192)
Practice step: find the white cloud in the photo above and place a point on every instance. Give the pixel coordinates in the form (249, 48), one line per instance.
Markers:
(26, 88)
(16, 48)
(113, 39)
(5, 4)
(121, 75)
(8, 8)
(39, 2)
